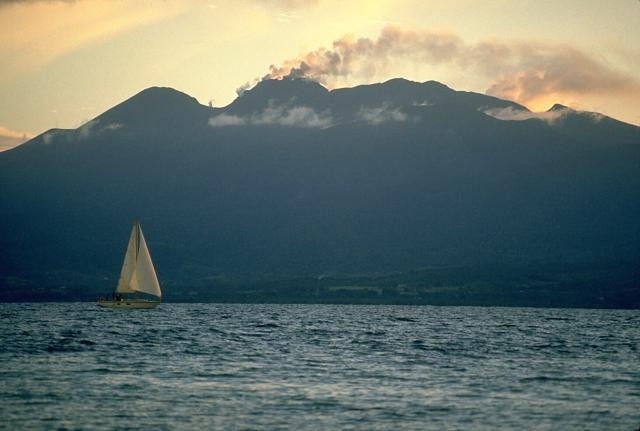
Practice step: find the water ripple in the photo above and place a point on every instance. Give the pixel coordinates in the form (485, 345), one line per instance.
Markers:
(317, 367)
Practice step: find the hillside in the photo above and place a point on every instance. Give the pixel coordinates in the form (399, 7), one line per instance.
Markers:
(400, 185)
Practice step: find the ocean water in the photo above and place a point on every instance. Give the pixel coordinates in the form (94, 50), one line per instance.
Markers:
(67, 366)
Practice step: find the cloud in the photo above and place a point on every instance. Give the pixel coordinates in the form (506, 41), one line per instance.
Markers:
(10, 138)
(11, 134)
(297, 116)
(553, 116)
(535, 71)
(370, 58)
(305, 116)
(87, 129)
(114, 126)
(526, 72)
(49, 136)
(290, 116)
(91, 128)
(367, 58)
(381, 114)
(512, 114)
(244, 87)
(224, 120)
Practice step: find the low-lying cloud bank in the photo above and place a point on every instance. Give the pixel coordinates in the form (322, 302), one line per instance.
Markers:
(552, 116)
(381, 114)
(85, 132)
(290, 116)
(305, 116)
(92, 127)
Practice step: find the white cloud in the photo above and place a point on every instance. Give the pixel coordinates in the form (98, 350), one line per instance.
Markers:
(381, 114)
(87, 129)
(47, 138)
(114, 126)
(513, 114)
(595, 116)
(91, 128)
(553, 117)
(296, 116)
(224, 120)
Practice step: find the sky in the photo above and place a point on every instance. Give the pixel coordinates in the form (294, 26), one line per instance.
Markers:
(64, 62)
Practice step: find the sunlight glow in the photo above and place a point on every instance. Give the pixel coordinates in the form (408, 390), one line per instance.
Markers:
(64, 56)
(38, 34)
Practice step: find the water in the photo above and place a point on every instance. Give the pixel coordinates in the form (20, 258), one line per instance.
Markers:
(317, 367)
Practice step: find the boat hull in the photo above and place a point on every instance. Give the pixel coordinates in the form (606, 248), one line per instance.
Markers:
(128, 303)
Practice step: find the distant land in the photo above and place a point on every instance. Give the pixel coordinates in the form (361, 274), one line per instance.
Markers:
(400, 192)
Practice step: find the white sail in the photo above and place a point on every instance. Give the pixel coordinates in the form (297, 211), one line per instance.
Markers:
(129, 264)
(138, 274)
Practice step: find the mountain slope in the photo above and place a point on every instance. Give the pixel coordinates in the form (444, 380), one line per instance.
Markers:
(292, 180)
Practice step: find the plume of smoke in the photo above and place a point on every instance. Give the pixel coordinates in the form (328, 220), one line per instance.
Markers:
(244, 87)
(367, 58)
(523, 71)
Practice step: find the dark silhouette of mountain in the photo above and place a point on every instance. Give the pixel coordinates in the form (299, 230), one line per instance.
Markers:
(156, 108)
(293, 192)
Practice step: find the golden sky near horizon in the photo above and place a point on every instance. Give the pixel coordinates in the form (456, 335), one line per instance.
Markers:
(67, 61)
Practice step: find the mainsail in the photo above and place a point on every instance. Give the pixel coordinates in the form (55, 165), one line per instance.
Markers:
(138, 274)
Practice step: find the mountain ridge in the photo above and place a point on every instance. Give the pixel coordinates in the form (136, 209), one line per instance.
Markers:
(293, 180)
(156, 103)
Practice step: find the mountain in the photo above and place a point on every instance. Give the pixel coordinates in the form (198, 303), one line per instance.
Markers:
(394, 192)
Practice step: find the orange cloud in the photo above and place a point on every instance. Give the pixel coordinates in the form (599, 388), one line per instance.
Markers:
(537, 72)
(10, 138)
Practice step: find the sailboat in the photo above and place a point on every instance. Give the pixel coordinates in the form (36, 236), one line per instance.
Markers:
(138, 285)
